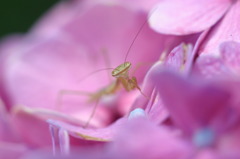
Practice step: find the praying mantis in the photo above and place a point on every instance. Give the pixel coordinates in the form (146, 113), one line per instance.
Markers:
(122, 80)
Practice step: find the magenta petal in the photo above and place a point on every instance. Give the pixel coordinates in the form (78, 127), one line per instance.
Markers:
(191, 104)
(187, 16)
(228, 29)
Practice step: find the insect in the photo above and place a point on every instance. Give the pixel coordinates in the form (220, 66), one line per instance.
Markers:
(122, 80)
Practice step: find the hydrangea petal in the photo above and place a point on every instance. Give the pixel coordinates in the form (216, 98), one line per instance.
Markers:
(223, 31)
(222, 66)
(12, 150)
(142, 139)
(30, 124)
(195, 104)
(100, 134)
(230, 53)
(187, 16)
(31, 129)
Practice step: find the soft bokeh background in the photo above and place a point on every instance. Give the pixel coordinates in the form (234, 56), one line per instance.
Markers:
(17, 16)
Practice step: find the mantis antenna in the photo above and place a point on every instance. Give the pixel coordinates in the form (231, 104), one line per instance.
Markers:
(136, 36)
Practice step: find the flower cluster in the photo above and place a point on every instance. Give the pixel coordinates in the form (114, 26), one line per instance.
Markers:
(57, 98)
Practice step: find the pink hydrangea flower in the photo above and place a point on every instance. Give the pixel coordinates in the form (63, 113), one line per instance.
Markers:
(181, 114)
(67, 44)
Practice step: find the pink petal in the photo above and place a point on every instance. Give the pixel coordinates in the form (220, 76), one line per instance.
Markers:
(187, 16)
(7, 133)
(226, 65)
(223, 31)
(208, 154)
(211, 67)
(64, 142)
(33, 130)
(32, 76)
(12, 150)
(145, 5)
(178, 57)
(142, 139)
(147, 88)
(229, 143)
(192, 104)
(30, 124)
(51, 23)
(230, 52)
(100, 134)
(157, 113)
(7, 45)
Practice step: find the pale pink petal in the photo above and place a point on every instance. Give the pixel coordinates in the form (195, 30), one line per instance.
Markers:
(187, 16)
(31, 126)
(228, 29)
(100, 134)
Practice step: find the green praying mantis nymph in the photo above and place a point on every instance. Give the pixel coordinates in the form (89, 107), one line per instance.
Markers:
(123, 80)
